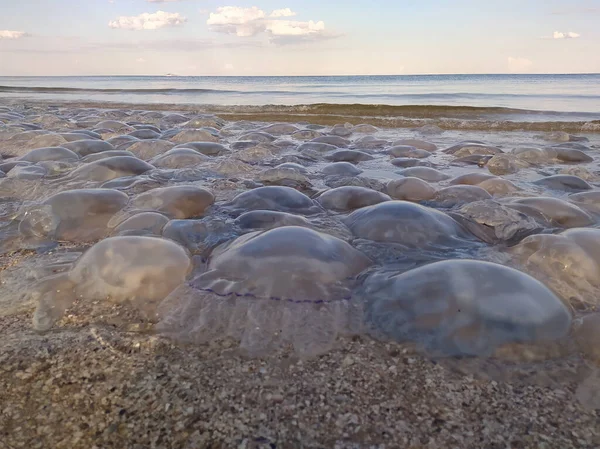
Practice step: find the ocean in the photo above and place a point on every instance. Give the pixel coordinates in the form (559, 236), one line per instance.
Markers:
(494, 99)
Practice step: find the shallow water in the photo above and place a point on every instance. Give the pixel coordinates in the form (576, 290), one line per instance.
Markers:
(269, 242)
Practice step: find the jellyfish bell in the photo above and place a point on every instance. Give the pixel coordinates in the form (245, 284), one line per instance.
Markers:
(138, 270)
(285, 285)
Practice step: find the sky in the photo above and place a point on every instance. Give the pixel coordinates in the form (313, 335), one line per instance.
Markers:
(298, 37)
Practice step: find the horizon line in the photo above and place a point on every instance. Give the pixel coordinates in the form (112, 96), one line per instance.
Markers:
(299, 76)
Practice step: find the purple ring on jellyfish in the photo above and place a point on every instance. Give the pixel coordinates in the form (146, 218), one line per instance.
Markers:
(288, 285)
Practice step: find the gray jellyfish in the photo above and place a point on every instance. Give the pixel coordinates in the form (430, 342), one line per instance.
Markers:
(289, 285)
(74, 215)
(110, 168)
(176, 201)
(138, 270)
(277, 198)
(463, 307)
(408, 224)
(351, 197)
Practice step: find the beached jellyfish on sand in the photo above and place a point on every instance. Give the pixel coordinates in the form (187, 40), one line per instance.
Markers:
(110, 168)
(409, 224)
(463, 307)
(350, 197)
(278, 198)
(176, 201)
(268, 219)
(138, 270)
(569, 262)
(552, 211)
(74, 215)
(267, 289)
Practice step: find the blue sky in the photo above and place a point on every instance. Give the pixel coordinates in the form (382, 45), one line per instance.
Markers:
(297, 37)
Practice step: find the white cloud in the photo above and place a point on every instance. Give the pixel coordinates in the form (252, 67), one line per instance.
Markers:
(246, 22)
(6, 34)
(285, 12)
(147, 21)
(565, 35)
(519, 65)
(140, 60)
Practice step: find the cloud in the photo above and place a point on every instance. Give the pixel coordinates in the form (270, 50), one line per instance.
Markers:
(147, 21)
(140, 60)
(247, 22)
(285, 12)
(162, 1)
(6, 34)
(519, 65)
(565, 35)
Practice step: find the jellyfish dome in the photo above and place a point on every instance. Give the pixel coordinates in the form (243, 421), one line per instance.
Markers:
(269, 288)
(463, 307)
(277, 198)
(139, 270)
(406, 223)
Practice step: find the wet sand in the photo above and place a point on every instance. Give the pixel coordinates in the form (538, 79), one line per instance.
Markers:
(101, 382)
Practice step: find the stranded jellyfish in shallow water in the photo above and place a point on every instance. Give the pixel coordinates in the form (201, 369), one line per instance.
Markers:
(74, 215)
(350, 197)
(278, 198)
(286, 285)
(463, 307)
(175, 201)
(406, 223)
(140, 270)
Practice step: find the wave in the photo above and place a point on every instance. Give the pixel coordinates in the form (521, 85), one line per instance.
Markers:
(57, 90)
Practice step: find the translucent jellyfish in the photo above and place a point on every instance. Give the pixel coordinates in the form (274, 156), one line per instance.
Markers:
(341, 169)
(144, 223)
(268, 219)
(49, 154)
(458, 195)
(293, 166)
(475, 159)
(532, 155)
(206, 148)
(258, 136)
(405, 162)
(350, 197)
(179, 158)
(194, 135)
(587, 200)
(336, 141)
(278, 198)
(199, 236)
(316, 147)
(147, 149)
(571, 155)
(463, 307)
(498, 186)
(410, 189)
(568, 262)
(505, 223)
(110, 168)
(145, 134)
(420, 144)
(74, 215)
(86, 147)
(408, 151)
(555, 211)
(564, 182)
(482, 150)
(176, 201)
(27, 172)
(406, 223)
(349, 156)
(342, 130)
(587, 335)
(105, 154)
(278, 129)
(114, 126)
(365, 129)
(503, 164)
(120, 140)
(289, 285)
(425, 173)
(472, 179)
(371, 142)
(138, 270)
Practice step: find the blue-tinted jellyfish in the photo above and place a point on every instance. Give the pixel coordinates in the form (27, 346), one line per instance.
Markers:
(137, 270)
(409, 224)
(289, 285)
(463, 307)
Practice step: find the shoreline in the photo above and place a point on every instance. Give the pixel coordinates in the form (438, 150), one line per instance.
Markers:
(464, 119)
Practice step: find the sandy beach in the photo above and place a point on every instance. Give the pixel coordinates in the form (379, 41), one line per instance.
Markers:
(101, 377)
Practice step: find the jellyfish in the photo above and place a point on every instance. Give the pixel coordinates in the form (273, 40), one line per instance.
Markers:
(408, 224)
(86, 147)
(410, 189)
(336, 141)
(567, 183)
(463, 307)
(179, 158)
(460, 194)
(341, 169)
(110, 168)
(49, 154)
(147, 149)
(350, 197)
(74, 215)
(289, 285)
(138, 270)
(268, 219)
(554, 211)
(353, 156)
(417, 143)
(143, 223)
(408, 151)
(425, 173)
(277, 198)
(206, 148)
(175, 201)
